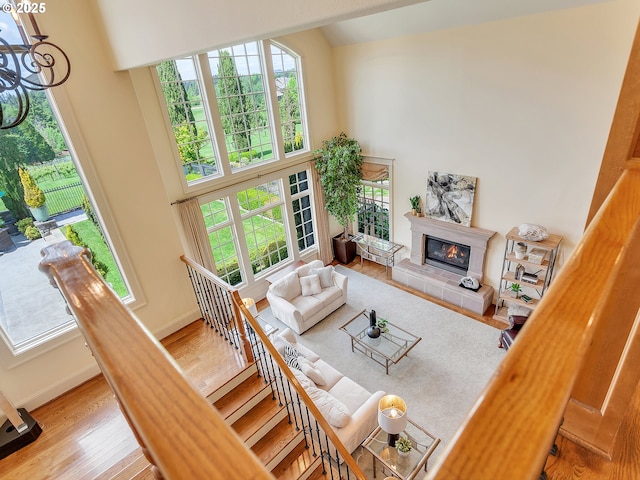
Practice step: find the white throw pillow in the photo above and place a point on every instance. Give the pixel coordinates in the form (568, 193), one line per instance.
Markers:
(311, 371)
(310, 285)
(280, 343)
(303, 270)
(288, 287)
(332, 409)
(325, 274)
(305, 381)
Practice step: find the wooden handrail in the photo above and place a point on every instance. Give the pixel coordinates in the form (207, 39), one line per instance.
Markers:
(304, 396)
(182, 435)
(515, 420)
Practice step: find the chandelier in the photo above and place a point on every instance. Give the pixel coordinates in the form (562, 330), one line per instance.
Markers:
(35, 65)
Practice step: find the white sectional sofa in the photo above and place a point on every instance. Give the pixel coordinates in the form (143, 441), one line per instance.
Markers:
(350, 409)
(307, 295)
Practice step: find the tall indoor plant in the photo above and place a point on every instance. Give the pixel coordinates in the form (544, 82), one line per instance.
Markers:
(339, 165)
(33, 196)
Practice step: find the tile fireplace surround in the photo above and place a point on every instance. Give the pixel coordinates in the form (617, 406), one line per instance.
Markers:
(437, 282)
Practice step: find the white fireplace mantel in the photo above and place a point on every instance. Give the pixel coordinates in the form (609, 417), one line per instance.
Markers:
(440, 283)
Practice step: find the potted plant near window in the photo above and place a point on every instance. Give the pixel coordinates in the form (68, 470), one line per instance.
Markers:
(339, 165)
(33, 196)
(403, 444)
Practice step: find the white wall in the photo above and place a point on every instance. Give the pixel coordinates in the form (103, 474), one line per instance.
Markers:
(525, 105)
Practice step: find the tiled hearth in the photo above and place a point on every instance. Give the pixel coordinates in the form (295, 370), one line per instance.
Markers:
(438, 282)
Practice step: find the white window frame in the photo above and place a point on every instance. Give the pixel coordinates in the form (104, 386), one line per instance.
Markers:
(225, 174)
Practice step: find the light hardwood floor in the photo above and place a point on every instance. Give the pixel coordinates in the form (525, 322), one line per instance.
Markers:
(86, 437)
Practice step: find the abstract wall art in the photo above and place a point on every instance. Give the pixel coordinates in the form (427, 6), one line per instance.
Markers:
(450, 197)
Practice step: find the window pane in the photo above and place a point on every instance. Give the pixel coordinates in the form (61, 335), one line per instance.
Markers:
(302, 215)
(221, 237)
(373, 210)
(286, 71)
(239, 82)
(263, 223)
(188, 119)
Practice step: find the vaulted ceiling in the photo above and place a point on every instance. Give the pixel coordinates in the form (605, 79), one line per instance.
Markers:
(438, 15)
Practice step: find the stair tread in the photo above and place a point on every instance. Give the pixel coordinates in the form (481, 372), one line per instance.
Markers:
(257, 417)
(294, 465)
(240, 395)
(274, 442)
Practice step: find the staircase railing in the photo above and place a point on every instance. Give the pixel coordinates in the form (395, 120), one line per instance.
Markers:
(180, 433)
(303, 413)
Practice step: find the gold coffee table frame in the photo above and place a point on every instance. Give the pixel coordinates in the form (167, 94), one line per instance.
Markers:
(388, 348)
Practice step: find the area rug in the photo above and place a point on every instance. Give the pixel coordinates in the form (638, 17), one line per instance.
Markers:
(441, 377)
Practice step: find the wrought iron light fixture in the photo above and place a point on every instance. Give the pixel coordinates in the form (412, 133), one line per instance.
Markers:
(34, 65)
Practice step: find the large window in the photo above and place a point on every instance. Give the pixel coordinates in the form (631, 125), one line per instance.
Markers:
(251, 229)
(252, 112)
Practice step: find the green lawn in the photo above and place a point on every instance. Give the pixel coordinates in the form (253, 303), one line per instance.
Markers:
(89, 234)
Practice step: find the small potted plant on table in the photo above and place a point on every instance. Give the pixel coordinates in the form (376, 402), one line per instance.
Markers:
(515, 290)
(403, 444)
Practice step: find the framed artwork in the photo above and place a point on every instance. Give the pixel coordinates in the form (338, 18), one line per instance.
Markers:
(450, 197)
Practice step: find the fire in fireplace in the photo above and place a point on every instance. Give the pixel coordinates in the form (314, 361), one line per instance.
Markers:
(450, 256)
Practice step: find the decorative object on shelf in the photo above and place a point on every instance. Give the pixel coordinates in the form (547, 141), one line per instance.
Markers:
(403, 444)
(416, 211)
(530, 231)
(520, 249)
(536, 255)
(450, 197)
(519, 271)
(392, 417)
(470, 282)
(515, 290)
(30, 66)
(339, 165)
(373, 331)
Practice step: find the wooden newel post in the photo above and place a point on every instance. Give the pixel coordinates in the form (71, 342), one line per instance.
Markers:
(242, 331)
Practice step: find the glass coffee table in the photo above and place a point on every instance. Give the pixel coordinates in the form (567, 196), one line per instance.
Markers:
(404, 466)
(390, 347)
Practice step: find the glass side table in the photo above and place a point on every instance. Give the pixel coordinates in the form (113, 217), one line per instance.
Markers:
(376, 250)
(403, 466)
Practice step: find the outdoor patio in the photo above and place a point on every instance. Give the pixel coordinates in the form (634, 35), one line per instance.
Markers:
(29, 305)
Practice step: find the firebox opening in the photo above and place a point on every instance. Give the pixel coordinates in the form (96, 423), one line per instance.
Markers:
(448, 255)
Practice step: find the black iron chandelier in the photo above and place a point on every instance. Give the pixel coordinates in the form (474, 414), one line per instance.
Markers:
(35, 65)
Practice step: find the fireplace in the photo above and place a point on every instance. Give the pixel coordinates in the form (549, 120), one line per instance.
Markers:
(446, 254)
(441, 254)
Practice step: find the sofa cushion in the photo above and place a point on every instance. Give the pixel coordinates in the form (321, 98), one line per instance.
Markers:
(325, 274)
(310, 285)
(330, 374)
(279, 343)
(351, 394)
(332, 409)
(307, 306)
(328, 295)
(311, 371)
(303, 270)
(288, 287)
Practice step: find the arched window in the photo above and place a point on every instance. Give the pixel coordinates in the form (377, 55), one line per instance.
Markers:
(234, 108)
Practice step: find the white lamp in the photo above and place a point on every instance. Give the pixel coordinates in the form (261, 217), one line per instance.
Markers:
(250, 303)
(392, 416)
